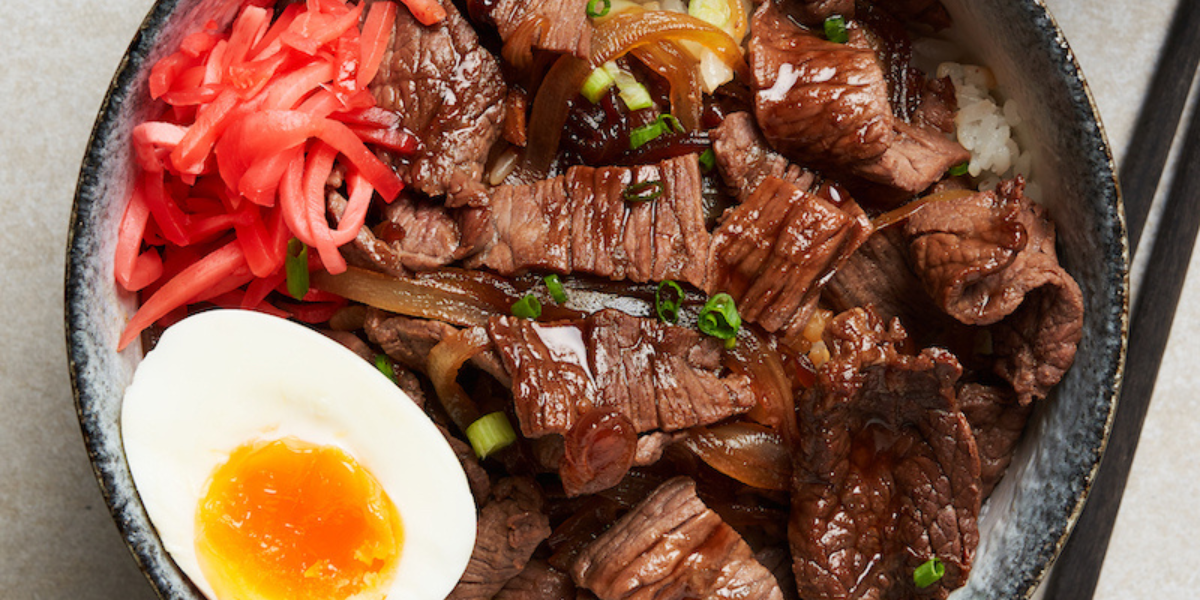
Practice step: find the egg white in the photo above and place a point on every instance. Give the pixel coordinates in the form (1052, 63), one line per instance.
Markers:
(222, 378)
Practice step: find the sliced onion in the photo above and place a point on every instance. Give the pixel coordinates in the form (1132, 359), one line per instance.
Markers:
(518, 50)
(897, 215)
(598, 452)
(750, 453)
(776, 408)
(680, 70)
(465, 298)
(611, 40)
(443, 363)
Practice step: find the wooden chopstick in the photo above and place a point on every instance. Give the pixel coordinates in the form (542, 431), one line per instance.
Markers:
(1158, 121)
(1078, 567)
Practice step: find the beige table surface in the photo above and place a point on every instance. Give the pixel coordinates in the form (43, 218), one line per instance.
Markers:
(56, 537)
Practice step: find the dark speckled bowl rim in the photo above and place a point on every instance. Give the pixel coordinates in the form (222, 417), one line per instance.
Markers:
(140, 48)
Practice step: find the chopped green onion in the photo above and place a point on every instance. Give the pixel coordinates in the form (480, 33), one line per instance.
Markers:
(384, 364)
(835, 29)
(527, 307)
(633, 93)
(640, 136)
(667, 304)
(490, 433)
(708, 160)
(595, 10)
(554, 284)
(929, 573)
(719, 317)
(714, 12)
(597, 84)
(646, 191)
(961, 169)
(296, 267)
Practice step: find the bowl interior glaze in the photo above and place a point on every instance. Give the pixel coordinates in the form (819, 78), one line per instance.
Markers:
(1028, 516)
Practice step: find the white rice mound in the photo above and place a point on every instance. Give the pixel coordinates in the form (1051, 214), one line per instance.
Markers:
(984, 126)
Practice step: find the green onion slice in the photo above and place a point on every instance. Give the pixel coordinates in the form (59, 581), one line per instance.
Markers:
(597, 84)
(646, 191)
(708, 160)
(598, 8)
(554, 284)
(929, 573)
(296, 267)
(490, 433)
(633, 93)
(667, 299)
(719, 317)
(961, 169)
(527, 307)
(835, 29)
(640, 136)
(384, 364)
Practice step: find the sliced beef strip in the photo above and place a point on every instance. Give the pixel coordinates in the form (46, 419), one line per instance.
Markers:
(828, 105)
(657, 376)
(448, 90)
(415, 235)
(563, 24)
(774, 252)
(745, 160)
(511, 525)
(814, 12)
(988, 258)
(887, 473)
(671, 547)
(539, 581)
(581, 222)
(408, 341)
(997, 421)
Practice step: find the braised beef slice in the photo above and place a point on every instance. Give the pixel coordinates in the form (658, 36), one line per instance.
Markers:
(415, 235)
(997, 421)
(745, 160)
(773, 253)
(562, 25)
(670, 547)
(657, 376)
(477, 478)
(511, 525)
(988, 258)
(448, 90)
(887, 473)
(539, 581)
(828, 105)
(938, 106)
(814, 12)
(408, 341)
(581, 222)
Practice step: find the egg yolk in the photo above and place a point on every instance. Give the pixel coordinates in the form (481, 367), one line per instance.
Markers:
(290, 519)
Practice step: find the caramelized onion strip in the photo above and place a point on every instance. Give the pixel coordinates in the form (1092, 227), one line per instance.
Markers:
(518, 50)
(465, 298)
(897, 215)
(750, 453)
(776, 408)
(443, 363)
(681, 72)
(611, 40)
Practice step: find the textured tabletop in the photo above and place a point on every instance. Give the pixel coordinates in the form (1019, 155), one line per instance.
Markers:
(56, 537)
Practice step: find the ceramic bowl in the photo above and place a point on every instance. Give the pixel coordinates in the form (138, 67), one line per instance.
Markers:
(1026, 520)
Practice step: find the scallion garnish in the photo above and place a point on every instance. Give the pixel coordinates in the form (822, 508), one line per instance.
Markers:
(929, 573)
(296, 268)
(960, 169)
(835, 29)
(633, 93)
(490, 433)
(640, 136)
(667, 299)
(554, 284)
(715, 12)
(597, 84)
(598, 8)
(646, 191)
(708, 160)
(527, 307)
(384, 364)
(719, 318)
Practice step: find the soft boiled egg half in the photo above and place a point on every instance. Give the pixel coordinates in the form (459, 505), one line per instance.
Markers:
(276, 464)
